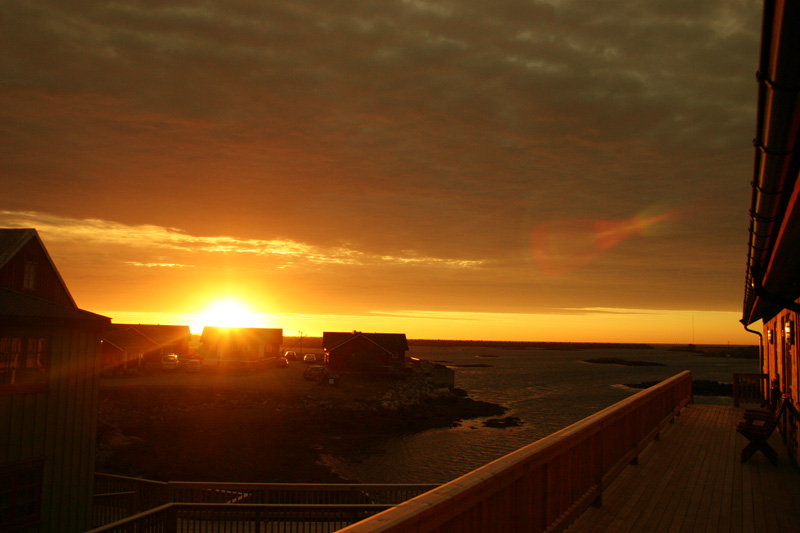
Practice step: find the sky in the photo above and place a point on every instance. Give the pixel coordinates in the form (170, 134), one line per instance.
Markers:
(508, 170)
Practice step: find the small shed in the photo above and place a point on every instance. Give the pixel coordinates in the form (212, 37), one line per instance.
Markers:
(364, 351)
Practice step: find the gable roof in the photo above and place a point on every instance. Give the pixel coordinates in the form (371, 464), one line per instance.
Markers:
(12, 240)
(18, 308)
(391, 342)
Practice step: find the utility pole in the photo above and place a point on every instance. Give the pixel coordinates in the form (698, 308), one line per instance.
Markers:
(301, 345)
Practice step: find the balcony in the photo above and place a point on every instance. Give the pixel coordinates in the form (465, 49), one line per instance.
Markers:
(692, 480)
(653, 462)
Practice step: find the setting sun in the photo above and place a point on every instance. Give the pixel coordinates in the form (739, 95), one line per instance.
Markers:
(228, 313)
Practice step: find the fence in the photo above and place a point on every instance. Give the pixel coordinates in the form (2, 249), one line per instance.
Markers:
(117, 497)
(134, 501)
(244, 518)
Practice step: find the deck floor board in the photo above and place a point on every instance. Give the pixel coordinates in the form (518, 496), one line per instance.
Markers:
(692, 480)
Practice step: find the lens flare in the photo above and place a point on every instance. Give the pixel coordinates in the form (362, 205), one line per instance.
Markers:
(559, 247)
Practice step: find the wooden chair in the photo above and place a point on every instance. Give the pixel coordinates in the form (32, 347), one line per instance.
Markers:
(757, 427)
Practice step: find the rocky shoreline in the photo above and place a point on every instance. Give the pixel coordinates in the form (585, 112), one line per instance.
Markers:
(273, 425)
(271, 432)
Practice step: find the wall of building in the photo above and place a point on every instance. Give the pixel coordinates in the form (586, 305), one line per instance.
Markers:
(781, 362)
(47, 284)
(58, 427)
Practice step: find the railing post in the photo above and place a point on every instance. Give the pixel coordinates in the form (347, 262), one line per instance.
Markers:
(750, 387)
(545, 510)
(172, 519)
(598, 502)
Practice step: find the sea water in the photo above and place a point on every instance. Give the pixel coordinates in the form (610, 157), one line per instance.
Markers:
(546, 389)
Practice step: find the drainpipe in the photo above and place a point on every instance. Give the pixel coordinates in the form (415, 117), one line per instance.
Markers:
(766, 393)
(760, 341)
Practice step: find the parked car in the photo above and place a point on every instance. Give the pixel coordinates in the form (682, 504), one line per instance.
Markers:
(193, 365)
(169, 362)
(315, 373)
(281, 362)
(310, 358)
(290, 355)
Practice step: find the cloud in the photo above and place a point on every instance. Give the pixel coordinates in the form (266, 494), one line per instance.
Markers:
(407, 150)
(149, 239)
(158, 265)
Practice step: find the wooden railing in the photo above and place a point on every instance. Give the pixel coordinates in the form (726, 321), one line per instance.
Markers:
(118, 497)
(750, 388)
(545, 485)
(294, 493)
(213, 517)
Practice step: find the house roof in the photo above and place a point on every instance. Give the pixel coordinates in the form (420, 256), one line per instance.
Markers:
(264, 335)
(12, 240)
(144, 334)
(128, 338)
(772, 279)
(18, 308)
(392, 342)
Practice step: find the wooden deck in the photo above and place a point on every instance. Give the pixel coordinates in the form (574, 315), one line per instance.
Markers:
(692, 480)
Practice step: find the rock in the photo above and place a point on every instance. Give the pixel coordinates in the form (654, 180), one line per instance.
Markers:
(507, 422)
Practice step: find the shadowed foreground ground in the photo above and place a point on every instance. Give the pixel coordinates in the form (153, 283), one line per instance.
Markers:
(266, 426)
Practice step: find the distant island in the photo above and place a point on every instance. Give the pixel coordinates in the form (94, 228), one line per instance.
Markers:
(700, 387)
(713, 350)
(316, 343)
(618, 361)
(531, 345)
(707, 350)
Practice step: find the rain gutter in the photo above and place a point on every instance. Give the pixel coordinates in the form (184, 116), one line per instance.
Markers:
(776, 169)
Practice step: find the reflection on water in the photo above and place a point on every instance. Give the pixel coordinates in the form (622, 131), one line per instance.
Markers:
(547, 390)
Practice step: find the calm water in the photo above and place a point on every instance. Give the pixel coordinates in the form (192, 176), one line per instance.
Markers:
(547, 390)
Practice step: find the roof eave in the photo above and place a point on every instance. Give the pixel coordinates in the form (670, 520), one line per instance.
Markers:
(771, 265)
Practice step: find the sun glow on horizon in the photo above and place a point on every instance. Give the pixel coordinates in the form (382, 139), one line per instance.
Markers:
(225, 314)
(569, 325)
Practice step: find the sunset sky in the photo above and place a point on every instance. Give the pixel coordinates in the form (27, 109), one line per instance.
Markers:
(508, 170)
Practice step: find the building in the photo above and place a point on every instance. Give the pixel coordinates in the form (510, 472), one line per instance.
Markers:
(772, 288)
(127, 347)
(49, 372)
(241, 345)
(364, 351)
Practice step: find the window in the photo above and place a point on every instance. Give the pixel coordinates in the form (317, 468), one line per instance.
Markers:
(24, 362)
(20, 495)
(29, 279)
